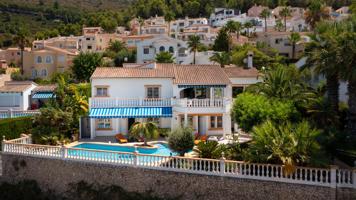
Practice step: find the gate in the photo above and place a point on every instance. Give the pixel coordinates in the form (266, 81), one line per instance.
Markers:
(84, 127)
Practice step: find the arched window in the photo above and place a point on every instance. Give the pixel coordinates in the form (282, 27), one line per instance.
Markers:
(48, 59)
(162, 48)
(44, 72)
(34, 73)
(39, 59)
(171, 49)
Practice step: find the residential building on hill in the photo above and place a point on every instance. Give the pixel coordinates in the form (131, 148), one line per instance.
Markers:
(222, 14)
(172, 95)
(16, 95)
(148, 49)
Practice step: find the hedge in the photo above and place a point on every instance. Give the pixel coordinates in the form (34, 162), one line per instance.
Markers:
(14, 127)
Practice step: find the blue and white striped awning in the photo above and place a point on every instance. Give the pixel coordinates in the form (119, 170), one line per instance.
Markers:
(201, 86)
(46, 95)
(134, 112)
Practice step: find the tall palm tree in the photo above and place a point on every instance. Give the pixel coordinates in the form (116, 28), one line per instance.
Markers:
(347, 43)
(285, 12)
(145, 130)
(266, 13)
(315, 13)
(233, 27)
(116, 46)
(294, 38)
(323, 56)
(247, 26)
(193, 44)
(169, 16)
(222, 58)
(22, 40)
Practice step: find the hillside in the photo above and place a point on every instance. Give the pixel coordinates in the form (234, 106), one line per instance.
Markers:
(88, 5)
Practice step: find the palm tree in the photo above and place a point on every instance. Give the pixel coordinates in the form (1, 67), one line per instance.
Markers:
(285, 12)
(22, 40)
(145, 130)
(347, 43)
(266, 13)
(233, 27)
(222, 58)
(193, 44)
(116, 46)
(294, 38)
(315, 13)
(169, 16)
(247, 26)
(323, 57)
(164, 57)
(140, 22)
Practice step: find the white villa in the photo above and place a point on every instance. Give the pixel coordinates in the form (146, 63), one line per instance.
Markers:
(147, 49)
(199, 96)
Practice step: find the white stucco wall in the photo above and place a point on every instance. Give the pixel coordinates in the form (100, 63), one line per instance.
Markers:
(133, 87)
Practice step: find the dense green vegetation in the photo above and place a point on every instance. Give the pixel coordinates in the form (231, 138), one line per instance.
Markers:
(181, 140)
(13, 128)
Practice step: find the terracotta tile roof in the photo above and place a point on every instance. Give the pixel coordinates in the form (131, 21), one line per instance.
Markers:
(45, 88)
(181, 74)
(200, 74)
(16, 86)
(240, 72)
(161, 71)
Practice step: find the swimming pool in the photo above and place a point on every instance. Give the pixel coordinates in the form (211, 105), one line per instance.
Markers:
(162, 149)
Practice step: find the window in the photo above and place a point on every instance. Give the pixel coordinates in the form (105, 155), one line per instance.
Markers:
(39, 59)
(34, 73)
(279, 40)
(18, 53)
(216, 122)
(89, 47)
(218, 92)
(48, 59)
(101, 91)
(171, 49)
(146, 50)
(103, 124)
(161, 48)
(190, 121)
(200, 93)
(44, 72)
(236, 91)
(152, 92)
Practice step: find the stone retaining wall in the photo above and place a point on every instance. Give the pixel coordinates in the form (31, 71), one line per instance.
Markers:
(56, 174)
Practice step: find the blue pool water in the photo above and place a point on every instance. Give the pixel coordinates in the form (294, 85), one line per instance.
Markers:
(162, 149)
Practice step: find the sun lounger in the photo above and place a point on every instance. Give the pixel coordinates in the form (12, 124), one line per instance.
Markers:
(119, 137)
(200, 138)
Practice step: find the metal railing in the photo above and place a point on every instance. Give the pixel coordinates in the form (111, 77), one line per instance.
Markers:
(17, 113)
(329, 177)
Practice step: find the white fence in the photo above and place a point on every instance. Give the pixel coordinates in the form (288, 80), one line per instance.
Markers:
(329, 177)
(107, 102)
(17, 113)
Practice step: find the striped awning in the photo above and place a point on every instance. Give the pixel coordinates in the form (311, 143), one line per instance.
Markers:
(43, 95)
(134, 112)
(201, 86)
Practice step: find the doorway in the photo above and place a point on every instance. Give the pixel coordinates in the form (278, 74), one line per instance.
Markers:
(131, 121)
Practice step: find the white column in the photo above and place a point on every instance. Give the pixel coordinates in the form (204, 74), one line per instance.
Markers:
(92, 128)
(226, 124)
(185, 119)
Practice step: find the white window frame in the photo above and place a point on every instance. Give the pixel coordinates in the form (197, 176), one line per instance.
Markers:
(103, 124)
(153, 95)
(213, 122)
(44, 72)
(48, 59)
(39, 59)
(101, 91)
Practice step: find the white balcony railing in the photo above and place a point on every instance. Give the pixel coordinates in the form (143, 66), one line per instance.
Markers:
(104, 102)
(134, 102)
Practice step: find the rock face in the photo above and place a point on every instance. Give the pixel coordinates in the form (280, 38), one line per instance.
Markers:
(56, 175)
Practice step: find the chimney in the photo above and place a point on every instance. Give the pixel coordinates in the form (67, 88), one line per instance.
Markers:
(249, 59)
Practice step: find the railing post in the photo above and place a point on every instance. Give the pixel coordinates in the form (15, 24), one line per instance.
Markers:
(3, 143)
(11, 114)
(222, 163)
(63, 151)
(333, 176)
(135, 157)
(354, 177)
(29, 139)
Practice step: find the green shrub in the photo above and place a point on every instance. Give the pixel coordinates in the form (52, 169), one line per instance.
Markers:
(13, 128)
(253, 109)
(163, 132)
(210, 149)
(181, 140)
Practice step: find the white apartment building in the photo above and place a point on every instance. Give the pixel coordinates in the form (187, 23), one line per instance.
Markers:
(222, 14)
(16, 95)
(178, 26)
(198, 96)
(147, 49)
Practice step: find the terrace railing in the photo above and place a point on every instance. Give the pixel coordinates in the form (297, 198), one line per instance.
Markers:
(328, 177)
(17, 113)
(107, 102)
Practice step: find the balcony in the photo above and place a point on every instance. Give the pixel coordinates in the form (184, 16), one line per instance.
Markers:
(107, 102)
